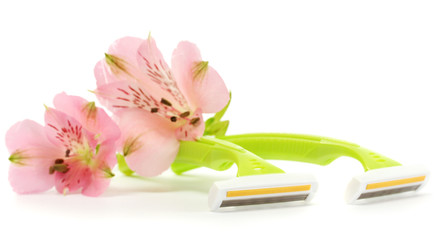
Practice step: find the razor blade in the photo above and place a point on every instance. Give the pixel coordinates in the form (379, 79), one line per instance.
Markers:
(385, 182)
(262, 189)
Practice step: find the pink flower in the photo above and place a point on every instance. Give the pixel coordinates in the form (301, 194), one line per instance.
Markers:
(157, 106)
(74, 150)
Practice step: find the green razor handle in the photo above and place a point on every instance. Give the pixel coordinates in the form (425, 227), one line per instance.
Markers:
(219, 154)
(309, 149)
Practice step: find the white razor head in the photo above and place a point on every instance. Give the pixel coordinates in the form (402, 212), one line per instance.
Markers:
(386, 181)
(261, 189)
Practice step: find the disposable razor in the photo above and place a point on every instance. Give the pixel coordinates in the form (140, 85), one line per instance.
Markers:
(383, 176)
(260, 182)
(257, 181)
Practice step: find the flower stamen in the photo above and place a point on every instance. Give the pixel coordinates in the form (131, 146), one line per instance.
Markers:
(194, 121)
(59, 161)
(59, 166)
(165, 102)
(184, 114)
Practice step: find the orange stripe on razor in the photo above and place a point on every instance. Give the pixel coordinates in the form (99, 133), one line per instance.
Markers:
(395, 182)
(261, 191)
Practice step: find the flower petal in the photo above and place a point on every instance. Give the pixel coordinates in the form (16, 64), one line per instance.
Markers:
(30, 178)
(92, 179)
(24, 134)
(106, 156)
(103, 74)
(32, 155)
(27, 141)
(63, 130)
(125, 49)
(121, 64)
(100, 178)
(124, 95)
(184, 58)
(149, 146)
(156, 70)
(209, 93)
(77, 177)
(192, 130)
(97, 185)
(94, 119)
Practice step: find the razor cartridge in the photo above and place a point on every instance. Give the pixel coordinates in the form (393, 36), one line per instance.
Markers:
(257, 181)
(262, 189)
(386, 181)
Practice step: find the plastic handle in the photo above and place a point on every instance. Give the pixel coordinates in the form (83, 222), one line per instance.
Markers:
(308, 148)
(219, 155)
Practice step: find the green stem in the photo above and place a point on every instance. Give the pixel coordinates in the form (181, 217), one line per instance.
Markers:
(122, 165)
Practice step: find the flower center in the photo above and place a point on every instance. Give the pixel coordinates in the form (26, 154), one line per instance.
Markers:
(83, 152)
(79, 152)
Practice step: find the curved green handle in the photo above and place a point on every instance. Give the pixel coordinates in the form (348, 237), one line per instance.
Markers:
(219, 155)
(308, 148)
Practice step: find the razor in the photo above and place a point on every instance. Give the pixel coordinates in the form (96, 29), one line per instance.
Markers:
(257, 182)
(383, 176)
(260, 182)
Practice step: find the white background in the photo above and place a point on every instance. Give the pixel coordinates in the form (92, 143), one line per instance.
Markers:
(366, 72)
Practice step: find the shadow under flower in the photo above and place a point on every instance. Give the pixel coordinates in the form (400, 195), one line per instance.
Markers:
(127, 197)
(130, 185)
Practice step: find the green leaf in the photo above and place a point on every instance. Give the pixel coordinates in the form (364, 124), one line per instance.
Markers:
(220, 114)
(214, 125)
(221, 128)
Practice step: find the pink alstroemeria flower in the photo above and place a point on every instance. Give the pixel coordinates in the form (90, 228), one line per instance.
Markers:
(74, 150)
(157, 106)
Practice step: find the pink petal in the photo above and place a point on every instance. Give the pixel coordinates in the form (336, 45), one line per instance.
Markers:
(96, 186)
(103, 75)
(77, 177)
(26, 134)
(156, 71)
(149, 145)
(124, 95)
(156, 154)
(28, 140)
(124, 48)
(62, 130)
(91, 178)
(191, 132)
(106, 80)
(99, 180)
(107, 154)
(185, 56)
(30, 178)
(209, 93)
(94, 119)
